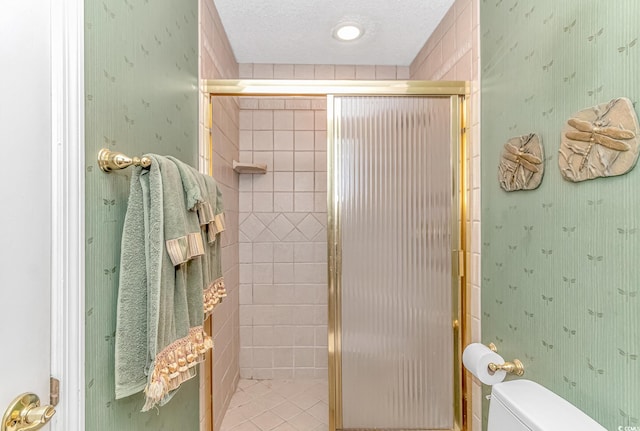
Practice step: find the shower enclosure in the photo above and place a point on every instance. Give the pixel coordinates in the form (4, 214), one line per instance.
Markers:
(393, 203)
(395, 254)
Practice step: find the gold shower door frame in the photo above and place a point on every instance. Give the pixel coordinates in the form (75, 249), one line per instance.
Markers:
(456, 92)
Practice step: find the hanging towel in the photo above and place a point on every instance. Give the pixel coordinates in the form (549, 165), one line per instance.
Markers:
(159, 333)
(211, 214)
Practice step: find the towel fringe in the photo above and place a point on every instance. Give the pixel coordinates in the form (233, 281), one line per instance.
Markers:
(213, 295)
(175, 364)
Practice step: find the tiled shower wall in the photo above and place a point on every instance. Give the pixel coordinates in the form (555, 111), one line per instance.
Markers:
(283, 249)
(283, 254)
(218, 62)
(452, 53)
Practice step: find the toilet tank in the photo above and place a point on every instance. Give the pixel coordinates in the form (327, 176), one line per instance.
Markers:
(523, 405)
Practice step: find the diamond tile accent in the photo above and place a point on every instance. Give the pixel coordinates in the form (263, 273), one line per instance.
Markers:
(309, 226)
(281, 227)
(252, 227)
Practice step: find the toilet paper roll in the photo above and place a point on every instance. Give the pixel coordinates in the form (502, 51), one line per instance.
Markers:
(477, 357)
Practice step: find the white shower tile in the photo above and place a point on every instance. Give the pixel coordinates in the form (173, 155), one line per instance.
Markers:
(320, 182)
(303, 252)
(246, 140)
(262, 202)
(385, 72)
(283, 71)
(304, 336)
(264, 157)
(246, 294)
(262, 120)
(320, 202)
(245, 253)
(303, 357)
(283, 374)
(262, 356)
(283, 252)
(321, 336)
(282, 357)
(261, 183)
(345, 72)
(310, 226)
(320, 140)
(245, 70)
(283, 161)
(305, 373)
(283, 140)
(283, 120)
(365, 72)
(321, 161)
(319, 103)
(303, 201)
(262, 252)
(263, 140)
(303, 181)
(320, 120)
(283, 335)
(321, 359)
(303, 120)
(246, 356)
(246, 273)
(262, 71)
(246, 336)
(267, 421)
(324, 71)
(287, 410)
(283, 181)
(305, 294)
(303, 71)
(263, 336)
(304, 139)
(296, 103)
(246, 156)
(245, 183)
(248, 103)
(281, 227)
(283, 273)
(246, 120)
(283, 201)
(271, 103)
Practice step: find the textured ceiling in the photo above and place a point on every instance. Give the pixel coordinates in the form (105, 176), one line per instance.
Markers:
(300, 31)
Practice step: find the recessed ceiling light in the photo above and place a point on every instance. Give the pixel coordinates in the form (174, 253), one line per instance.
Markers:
(347, 32)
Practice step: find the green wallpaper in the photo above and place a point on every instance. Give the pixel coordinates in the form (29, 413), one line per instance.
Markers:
(141, 70)
(560, 278)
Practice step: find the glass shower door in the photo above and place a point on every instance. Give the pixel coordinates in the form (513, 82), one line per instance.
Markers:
(395, 229)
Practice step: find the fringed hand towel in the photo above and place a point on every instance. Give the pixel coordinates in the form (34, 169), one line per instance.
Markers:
(159, 333)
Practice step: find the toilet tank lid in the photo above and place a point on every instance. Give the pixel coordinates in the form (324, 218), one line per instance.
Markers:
(540, 409)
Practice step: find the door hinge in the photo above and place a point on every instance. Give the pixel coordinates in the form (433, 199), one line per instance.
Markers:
(55, 391)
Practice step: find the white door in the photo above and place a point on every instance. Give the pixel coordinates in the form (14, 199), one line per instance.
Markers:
(25, 199)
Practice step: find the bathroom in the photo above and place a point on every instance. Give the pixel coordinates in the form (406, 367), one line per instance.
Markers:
(555, 286)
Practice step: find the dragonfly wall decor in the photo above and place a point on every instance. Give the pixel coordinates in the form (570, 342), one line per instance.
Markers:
(600, 142)
(522, 163)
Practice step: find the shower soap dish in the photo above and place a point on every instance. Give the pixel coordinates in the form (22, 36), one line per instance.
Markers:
(249, 168)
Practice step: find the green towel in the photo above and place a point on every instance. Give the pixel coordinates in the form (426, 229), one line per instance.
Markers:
(211, 215)
(159, 333)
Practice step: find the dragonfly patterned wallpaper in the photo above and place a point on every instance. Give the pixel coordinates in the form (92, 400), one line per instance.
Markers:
(141, 73)
(560, 273)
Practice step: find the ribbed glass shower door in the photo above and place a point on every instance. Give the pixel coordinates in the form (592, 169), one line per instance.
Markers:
(393, 208)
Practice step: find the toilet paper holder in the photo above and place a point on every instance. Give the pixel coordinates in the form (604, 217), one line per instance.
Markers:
(514, 367)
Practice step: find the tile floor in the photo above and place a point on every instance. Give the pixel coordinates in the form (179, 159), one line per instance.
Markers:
(278, 405)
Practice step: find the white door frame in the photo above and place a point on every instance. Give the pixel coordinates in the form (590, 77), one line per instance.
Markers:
(67, 203)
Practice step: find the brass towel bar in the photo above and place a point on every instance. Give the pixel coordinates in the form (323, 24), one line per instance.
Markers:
(112, 160)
